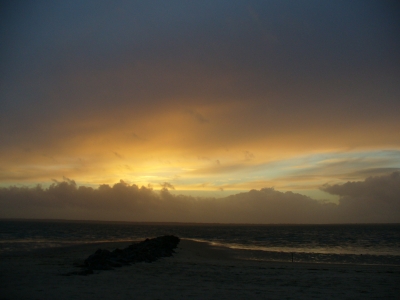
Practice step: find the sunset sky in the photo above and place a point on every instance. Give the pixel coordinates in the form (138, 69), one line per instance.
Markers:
(212, 97)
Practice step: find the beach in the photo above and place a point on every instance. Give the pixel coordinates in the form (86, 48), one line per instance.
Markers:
(197, 270)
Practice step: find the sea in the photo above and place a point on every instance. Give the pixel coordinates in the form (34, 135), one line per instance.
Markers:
(362, 244)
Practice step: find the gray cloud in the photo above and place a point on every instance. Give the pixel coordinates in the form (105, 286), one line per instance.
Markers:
(248, 155)
(118, 155)
(197, 116)
(80, 69)
(377, 199)
(372, 172)
(167, 185)
(199, 49)
(78, 79)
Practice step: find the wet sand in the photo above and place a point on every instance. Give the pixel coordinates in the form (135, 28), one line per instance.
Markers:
(196, 271)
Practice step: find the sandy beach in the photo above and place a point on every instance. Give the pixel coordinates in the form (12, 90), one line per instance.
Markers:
(196, 271)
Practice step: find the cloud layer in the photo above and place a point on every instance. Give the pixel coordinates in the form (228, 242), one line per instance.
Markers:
(377, 197)
(206, 95)
(376, 200)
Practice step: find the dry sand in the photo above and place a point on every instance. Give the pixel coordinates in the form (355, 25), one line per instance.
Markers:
(196, 271)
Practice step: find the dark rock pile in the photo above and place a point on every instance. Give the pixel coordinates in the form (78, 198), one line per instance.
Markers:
(146, 251)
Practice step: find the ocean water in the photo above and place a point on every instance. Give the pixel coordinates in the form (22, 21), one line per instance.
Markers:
(344, 244)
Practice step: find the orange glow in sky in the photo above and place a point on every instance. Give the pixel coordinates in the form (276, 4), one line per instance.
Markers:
(216, 98)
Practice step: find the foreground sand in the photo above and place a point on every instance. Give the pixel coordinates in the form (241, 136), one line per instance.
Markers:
(197, 271)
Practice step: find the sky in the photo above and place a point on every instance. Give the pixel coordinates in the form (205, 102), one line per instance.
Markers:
(209, 99)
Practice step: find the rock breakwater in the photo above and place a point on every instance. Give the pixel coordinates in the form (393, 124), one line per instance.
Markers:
(148, 250)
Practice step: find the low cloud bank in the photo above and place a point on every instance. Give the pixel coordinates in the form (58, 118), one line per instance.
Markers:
(377, 199)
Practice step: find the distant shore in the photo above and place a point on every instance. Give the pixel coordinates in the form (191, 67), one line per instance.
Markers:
(196, 271)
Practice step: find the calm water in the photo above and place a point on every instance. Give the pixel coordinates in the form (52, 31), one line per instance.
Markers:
(359, 244)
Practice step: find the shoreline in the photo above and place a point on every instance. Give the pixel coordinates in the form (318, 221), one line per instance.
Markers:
(210, 247)
(197, 270)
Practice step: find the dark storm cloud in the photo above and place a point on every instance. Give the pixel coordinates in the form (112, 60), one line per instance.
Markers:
(294, 63)
(377, 197)
(385, 187)
(92, 78)
(374, 200)
(171, 47)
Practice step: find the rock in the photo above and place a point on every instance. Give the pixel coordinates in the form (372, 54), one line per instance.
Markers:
(147, 251)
